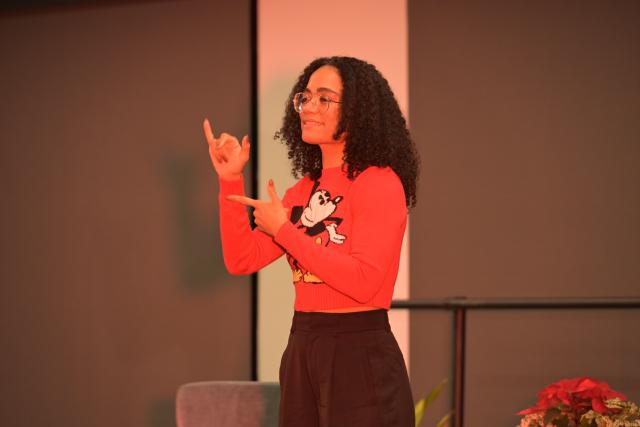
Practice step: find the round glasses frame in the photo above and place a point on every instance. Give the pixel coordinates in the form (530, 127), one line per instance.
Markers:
(302, 99)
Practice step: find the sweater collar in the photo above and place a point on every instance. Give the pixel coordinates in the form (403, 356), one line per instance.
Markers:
(334, 171)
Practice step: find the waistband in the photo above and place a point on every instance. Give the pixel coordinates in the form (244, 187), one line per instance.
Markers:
(340, 322)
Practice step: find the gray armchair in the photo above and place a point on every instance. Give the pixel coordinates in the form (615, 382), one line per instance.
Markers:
(228, 404)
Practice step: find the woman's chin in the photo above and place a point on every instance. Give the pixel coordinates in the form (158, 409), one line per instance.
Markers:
(312, 139)
(316, 139)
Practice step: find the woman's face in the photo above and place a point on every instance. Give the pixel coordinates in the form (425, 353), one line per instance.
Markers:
(320, 116)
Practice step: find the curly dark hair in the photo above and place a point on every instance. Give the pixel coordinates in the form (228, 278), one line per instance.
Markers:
(377, 133)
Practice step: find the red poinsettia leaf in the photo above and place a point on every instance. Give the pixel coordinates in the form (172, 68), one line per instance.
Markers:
(572, 383)
(564, 397)
(588, 394)
(597, 389)
(598, 406)
(546, 393)
(565, 401)
(586, 383)
(611, 394)
(546, 402)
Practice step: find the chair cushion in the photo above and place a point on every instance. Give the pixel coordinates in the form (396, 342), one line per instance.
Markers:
(228, 403)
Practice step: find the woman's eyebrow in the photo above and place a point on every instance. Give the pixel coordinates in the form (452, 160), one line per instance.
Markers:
(323, 89)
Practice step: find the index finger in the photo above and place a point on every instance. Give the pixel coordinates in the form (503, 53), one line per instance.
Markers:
(208, 132)
(247, 201)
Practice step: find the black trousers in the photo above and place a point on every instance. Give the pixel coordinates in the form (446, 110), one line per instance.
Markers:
(344, 370)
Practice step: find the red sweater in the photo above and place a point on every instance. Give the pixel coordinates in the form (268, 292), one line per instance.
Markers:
(342, 242)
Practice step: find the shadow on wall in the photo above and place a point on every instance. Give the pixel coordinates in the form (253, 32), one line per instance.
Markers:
(196, 237)
(162, 413)
(192, 197)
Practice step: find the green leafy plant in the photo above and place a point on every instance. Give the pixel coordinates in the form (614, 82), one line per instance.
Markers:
(424, 403)
(627, 414)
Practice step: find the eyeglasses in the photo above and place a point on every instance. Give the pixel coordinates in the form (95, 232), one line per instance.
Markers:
(304, 99)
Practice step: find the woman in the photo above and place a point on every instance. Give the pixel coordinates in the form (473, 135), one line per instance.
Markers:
(341, 228)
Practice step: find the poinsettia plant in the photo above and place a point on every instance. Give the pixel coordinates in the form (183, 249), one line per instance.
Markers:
(581, 402)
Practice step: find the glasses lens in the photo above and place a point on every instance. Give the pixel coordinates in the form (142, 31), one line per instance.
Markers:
(324, 102)
(300, 100)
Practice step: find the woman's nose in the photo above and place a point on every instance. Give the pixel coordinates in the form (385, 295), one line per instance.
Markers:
(311, 105)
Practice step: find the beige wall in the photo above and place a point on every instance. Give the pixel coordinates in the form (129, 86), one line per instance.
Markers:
(292, 34)
(113, 289)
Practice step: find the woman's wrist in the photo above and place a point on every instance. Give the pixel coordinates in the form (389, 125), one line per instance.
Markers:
(231, 177)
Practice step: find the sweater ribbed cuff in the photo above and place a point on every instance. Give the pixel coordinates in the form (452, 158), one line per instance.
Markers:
(231, 187)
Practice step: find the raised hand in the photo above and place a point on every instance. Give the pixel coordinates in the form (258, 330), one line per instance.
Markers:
(269, 216)
(227, 155)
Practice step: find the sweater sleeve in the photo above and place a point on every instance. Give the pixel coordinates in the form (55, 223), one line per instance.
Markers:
(244, 250)
(379, 220)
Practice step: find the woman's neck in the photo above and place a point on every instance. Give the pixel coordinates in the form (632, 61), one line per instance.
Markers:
(332, 154)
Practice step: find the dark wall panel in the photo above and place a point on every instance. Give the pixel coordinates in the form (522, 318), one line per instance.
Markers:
(512, 355)
(113, 287)
(525, 114)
